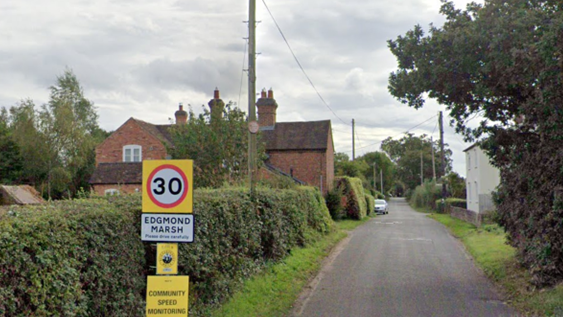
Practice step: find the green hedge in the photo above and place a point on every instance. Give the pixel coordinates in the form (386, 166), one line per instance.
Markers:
(445, 207)
(370, 203)
(85, 257)
(425, 195)
(354, 200)
(71, 258)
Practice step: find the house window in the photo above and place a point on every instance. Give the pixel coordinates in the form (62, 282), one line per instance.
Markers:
(468, 160)
(132, 153)
(476, 192)
(469, 191)
(111, 192)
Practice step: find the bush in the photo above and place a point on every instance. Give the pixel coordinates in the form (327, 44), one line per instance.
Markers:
(86, 258)
(353, 197)
(426, 195)
(445, 206)
(71, 258)
(334, 203)
(370, 203)
(235, 236)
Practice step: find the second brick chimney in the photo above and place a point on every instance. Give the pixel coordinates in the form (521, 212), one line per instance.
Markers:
(216, 105)
(181, 115)
(267, 107)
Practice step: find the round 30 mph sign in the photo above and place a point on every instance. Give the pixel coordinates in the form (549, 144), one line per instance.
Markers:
(167, 186)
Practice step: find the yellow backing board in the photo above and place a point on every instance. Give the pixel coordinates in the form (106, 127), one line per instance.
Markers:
(168, 186)
(167, 258)
(167, 296)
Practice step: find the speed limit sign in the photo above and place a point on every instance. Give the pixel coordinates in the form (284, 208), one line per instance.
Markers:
(167, 186)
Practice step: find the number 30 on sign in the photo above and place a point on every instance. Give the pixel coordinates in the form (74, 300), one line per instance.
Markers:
(167, 186)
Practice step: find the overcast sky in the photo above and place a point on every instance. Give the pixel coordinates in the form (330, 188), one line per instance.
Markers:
(142, 58)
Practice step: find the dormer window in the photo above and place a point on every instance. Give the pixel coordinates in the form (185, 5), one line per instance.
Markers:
(132, 153)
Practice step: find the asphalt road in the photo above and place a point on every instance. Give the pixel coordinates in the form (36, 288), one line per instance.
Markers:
(400, 264)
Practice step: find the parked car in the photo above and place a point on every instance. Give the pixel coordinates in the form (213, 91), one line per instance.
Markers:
(381, 207)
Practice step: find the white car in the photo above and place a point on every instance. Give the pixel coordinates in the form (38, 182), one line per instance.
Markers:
(381, 207)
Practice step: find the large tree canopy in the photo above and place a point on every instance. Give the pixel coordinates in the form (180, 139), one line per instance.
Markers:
(406, 154)
(502, 63)
(57, 141)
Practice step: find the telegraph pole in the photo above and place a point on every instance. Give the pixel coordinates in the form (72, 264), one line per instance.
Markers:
(353, 141)
(444, 193)
(252, 92)
(421, 175)
(433, 161)
(381, 177)
(374, 179)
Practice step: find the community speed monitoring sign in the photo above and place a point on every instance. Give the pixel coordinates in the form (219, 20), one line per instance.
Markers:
(167, 186)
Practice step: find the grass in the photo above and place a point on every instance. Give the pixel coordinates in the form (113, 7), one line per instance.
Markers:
(488, 247)
(273, 292)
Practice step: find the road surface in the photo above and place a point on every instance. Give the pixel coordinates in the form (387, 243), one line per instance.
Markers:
(400, 264)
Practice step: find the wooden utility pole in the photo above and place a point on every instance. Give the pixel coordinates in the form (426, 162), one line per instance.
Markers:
(252, 92)
(374, 179)
(443, 169)
(421, 174)
(381, 177)
(353, 141)
(433, 161)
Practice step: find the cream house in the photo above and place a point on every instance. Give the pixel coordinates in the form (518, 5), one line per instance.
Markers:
(482, 178)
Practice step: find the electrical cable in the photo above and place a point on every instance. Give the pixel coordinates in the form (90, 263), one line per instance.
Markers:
(299, 63)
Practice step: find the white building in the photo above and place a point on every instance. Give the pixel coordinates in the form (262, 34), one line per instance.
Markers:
(482, 179)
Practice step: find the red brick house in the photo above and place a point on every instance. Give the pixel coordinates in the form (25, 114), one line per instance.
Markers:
(303, 150)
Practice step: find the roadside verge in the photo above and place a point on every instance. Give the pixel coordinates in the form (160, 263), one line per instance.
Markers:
(487, 245)
(274, 291)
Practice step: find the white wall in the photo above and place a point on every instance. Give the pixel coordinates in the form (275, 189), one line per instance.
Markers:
(482, 179)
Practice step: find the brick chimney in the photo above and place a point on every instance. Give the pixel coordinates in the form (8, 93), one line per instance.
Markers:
(216, 105)
(181, 115)
(267, 107)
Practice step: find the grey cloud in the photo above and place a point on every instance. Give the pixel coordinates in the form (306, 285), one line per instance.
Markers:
(201, 75)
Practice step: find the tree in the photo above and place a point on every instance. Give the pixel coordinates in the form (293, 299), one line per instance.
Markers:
(344, 167)
(57, 141)
(218, 147)
(501, 62)
(406, 153)
(11, 161)
(383, 164)
(70, 124)
(24, 127)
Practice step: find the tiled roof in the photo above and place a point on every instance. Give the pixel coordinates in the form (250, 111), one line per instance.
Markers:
(311, 135)
(118, 173)
(19, 195)
(161, 132)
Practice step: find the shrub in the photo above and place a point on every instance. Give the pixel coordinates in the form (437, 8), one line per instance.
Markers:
(334, 203)
(71, 258)
(86, 258)
(236, 235)
(370, 203)
(353, 197)
(445, 206)
(426, 195)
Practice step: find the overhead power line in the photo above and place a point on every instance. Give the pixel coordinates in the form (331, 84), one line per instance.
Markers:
(416, 126)
(299, 64)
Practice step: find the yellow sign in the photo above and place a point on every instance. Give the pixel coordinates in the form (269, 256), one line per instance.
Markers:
(167, 296)
(167, 258)
(168, 186)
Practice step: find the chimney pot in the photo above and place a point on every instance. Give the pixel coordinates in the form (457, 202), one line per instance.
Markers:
(270, 94)
(263, 94)
(216, 93)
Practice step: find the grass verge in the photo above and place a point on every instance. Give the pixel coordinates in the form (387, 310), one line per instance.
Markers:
(273, 292)
(488, 247)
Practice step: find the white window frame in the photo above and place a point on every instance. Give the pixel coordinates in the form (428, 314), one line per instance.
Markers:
(111, 192)
(132, 148)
